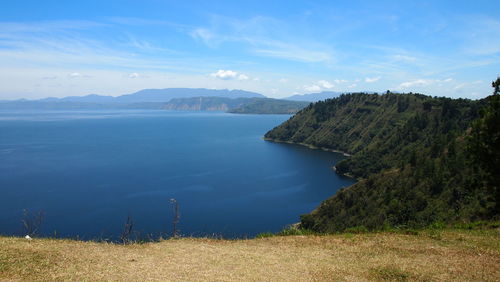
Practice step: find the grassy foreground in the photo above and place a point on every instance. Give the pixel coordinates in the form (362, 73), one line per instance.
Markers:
(444, 255)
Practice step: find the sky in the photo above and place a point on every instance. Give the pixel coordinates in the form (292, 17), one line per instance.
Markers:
(277, 48)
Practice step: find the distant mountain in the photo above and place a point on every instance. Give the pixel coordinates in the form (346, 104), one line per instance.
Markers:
(238, 105)
(187, 99)
(73, 105)
(91, 98)
(165, 95)
(140, 99)
(314, 97)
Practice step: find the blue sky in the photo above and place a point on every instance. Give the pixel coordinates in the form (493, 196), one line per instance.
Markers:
(277, 48)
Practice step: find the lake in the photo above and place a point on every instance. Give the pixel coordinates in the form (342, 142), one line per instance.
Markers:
(89, 170)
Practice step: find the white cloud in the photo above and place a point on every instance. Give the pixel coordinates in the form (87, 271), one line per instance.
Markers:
(352, 85)
(204, 35)
(372, 79)
(283, 80)
(242, 77)
(229, 74)
(417, 82)
(460, 86)
(422, 82)
(74, 75)
(133, 75)
(325, 84)
(225, 74)
(312, 88)
(404, 58)
(319, 86)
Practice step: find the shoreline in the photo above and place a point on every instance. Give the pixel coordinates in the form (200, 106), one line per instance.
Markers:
(308, 146)
(317, 148)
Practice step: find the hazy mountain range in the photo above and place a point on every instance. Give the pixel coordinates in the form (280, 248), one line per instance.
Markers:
(188, 99)
(165, 95)
(157, 95)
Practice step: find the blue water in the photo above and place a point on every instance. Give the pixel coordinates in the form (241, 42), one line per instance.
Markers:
(89, 170)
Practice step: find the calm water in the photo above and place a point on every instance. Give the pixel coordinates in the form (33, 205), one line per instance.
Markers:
(89, 170)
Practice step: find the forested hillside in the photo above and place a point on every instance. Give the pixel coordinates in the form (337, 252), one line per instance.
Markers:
(238, 105)
(269, 106)
(413, 154)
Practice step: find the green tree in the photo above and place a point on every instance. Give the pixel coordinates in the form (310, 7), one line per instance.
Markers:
(496, 85)
(485, 142)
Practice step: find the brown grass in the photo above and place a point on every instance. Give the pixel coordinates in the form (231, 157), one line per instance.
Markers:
(437, 255)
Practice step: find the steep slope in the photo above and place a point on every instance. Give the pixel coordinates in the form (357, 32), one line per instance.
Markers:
(409, 152)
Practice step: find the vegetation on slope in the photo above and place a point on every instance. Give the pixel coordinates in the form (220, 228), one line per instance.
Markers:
(270, 106)
(445, 255)
(205, 103)
(414, 156)
(238, 106)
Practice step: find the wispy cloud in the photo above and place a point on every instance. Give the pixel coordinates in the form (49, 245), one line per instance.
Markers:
(261, 40)
(48, 26)
(372, 79)
(295, 54)
(49, 77)
(480, 35)
(68, 44)
(423, 82)
(413, 83)
(255, 53)
(205, 36)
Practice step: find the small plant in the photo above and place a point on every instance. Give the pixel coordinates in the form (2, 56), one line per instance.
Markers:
(390, 273)
(477, 225)
(32, 222)
(291, 230)
(438, 225)
(175, 221)
(265, 235)
(294, 231)
(434, 234)
(356, 230)
(127, 230)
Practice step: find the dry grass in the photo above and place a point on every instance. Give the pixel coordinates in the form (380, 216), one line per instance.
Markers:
(437, 255)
